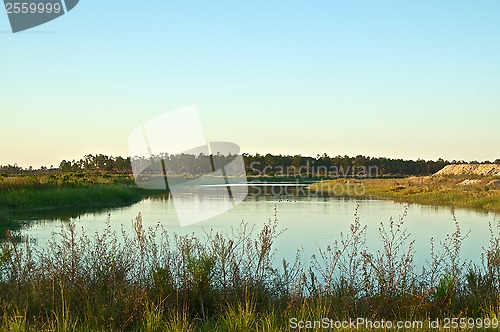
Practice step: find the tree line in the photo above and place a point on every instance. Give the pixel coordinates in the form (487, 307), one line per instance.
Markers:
(255, 164)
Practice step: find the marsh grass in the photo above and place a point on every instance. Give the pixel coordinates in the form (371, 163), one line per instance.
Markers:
(427, 190)
(58, 198)
(149, 280)
(38, 194)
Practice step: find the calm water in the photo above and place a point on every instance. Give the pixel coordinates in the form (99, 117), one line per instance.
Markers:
(312, 222)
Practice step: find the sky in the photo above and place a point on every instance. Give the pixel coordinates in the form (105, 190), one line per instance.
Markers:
(399, 79)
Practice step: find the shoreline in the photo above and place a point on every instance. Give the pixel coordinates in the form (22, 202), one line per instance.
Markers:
(446, 190)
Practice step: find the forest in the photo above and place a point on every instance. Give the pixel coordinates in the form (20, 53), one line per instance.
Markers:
(255, 164)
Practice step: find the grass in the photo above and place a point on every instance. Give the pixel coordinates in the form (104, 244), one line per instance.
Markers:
(18, 193)
(35, 196)
(429, 190)
(155, 281)
(57, 198)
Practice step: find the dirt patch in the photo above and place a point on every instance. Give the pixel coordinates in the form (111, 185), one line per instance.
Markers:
(469, 182)
(474, 169)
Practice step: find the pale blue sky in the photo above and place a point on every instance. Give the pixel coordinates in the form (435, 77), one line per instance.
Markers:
(403, 79)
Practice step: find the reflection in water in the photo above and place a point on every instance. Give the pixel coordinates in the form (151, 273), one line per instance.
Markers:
(312, 221)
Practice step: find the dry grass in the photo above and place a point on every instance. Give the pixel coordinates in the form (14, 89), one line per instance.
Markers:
(152, 281)
(428, 190)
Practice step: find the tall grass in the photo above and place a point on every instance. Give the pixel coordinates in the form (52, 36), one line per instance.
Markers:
(155, 281)
(57, 198)
(30, 192)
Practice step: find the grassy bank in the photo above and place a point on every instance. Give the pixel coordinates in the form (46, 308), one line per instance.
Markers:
(28, 193)
(153, 281)
(476, 192)
(31, 196)
(59, 198)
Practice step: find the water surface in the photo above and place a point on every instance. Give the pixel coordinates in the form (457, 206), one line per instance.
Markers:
(311, 221)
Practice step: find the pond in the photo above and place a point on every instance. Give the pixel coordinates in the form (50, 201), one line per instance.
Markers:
(311, 221)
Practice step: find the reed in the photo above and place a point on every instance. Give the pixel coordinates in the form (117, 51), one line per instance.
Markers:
(69, 190)
(150, 280)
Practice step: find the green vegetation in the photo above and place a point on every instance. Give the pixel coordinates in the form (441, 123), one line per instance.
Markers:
(325, 165)
(470, 191)
(29, 196)
(256, 165)
(31, 192)
(150, 281)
